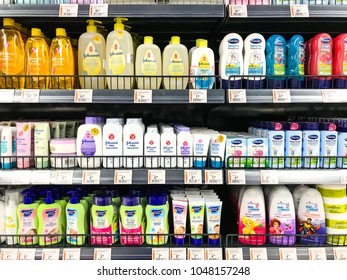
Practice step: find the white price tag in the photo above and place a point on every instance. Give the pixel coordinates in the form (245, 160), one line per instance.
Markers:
(196, 254)
(340, 253)
(288, 254)
(98, 10)
(237, 96)
(9, 254)
(281, 96)
(63, 177)
(68, 10)
(213, 254)
(50, 254)
(269, 177)
(91, 177)
(22, 177)
(197, 96)
(102, 254)
(317, 254)
(192, 177)
(331, 96)
(30, 96)
(156, 177)
(214, 177)
(236, 177)
(160, 254)
(178, 254)
(299, 11)
(343, 176)
(123, 177)
(71, 254)
(26, 254)
(238, 11)
(234, 254)
(41, 177)
(258, 254)
(142, 96)
(6, 95)
(83, 96)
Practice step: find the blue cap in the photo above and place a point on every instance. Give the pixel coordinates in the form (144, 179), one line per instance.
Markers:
(342, 125)
(292, 126)
(28, 196)
(131, 200)
(329, 126)
(196, 241)
(157, 200)
(48, 199)
(179, 241)
(74, 199)
(102, 200)
(310, 126)
(214, 241)
(91, 120)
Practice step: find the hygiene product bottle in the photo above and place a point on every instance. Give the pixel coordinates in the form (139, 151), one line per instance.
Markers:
(231, 61)
(157, 211)
(133, 136)
(8, 147)
(328, 144)
(296, 61)
(62, 61)
(37, 60)
(297, 192)
(91, 57)
(2, 219)
(342, 144)
(192, 49)
(254, 61)
(175, 65)
(49, 215)
(148, 63)
(168, 147)
(184, 146)
(12, 56)
(11, 225)
(275, 134)
(42, 135)
(27, 219)
(152, 147)
(119, 57)
(75, 220)
(310, 144)
(340, 60)
(293, 145)
(202, 67)
(112, 147)
(276, 59)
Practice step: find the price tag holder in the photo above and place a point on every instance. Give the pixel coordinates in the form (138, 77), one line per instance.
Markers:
(198, 96)
(98, 10)
(21, 177)
(178, 254)
(68, 10)
(156, 177)
(288, 254)
(160, 254)
(236, 177)
(340, 253)
(91, 177)
(343, 176)
(50, 254)
(258, 254)
(63, 177)
(142, 96)
(193, 177)
(9, 254)
(331, 96)
(102, 254)
(214, 177)
(123, 177)
(213, 254)
(239, 11)
(299, 11)
(26, 254)
(196, 254)
(317, 254)
(234, 254)
(237, 96)
(41, 177)
(6, 95)
(71, 254)
(269, 177)
(83, 96)
(30, 96)
(281, 96)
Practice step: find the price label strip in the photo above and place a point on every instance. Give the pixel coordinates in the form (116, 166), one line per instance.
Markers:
(6, 95)
(214, 177)
(41, 177)
(63, 177)
(142, 96)
(331, 96)
(83, 96)
(98, 10)
(156, 177)
(50, 254)
(192, 177)
(299, 11)
(30, 96)
(198, 96)
(288, 254)
(178, 254)
(9, 254)
(91, 177)
(213, 254)
(68, 10)
(269, 177)
(237, 96)
(123, 177)
(72, 254)
(317, 254)
(160, 254)
(236, 177)
(258, 254)
(102, 254)
(281, 96)
(26, 254)
(196, 254)
(21, 177)
(239, 11)
(340, 253)
(234, 254)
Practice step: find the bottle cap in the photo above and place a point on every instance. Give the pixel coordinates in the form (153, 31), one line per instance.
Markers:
(119, 25)
(91, 27)
(275, 126)
(28, 196)
(148, 40)
(102, 200)
(203, 43)
(329, 126)
(292, 126)
(214, 241)
(74, 198)
(8, 22)
(60, 32)
(131, 200)
(91, 120)
(342, 125)
(157, 200)
(179, 241)
(196, 241)
(310, 126)
(36, 32)
(48, 199)
(175, 40)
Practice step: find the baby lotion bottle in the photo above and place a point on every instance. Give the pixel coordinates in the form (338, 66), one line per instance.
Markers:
(276, 59)
(168, 147)
(297, 192)
(75, 220)
(340, 60)
(293, 145)
(41, 144)
(276, 138)
(133, 143)
(112, 133)
(24, 144)
(190, 53)
(217, 149)
(296, 61)
(152, 147)
(310, 144)
(11, 222)
(184, 147)
(328, 144)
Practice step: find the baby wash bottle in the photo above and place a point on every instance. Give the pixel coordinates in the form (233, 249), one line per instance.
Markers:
(276, 138)
(276, 57)
(91, 57)
(293, 145)
(328, 145)
(310, 144)
(148, 63)
(192, 49)
(340, 60)
(296, 61)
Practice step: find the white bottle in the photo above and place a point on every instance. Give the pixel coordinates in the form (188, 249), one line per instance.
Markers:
(190, 53)
(148, 63)
(254, 60)
(12, 201)
(7, 148)
(168, 147)
(112, 144)
(91, 57)
(119, 57)
(2, 219)
(184, 147)
(133, 134)
(152, 147)
(297, 192)
(231, 60)
(310, 144)
(175, 64)
(89, 143)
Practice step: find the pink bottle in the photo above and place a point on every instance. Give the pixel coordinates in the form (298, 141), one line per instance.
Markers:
(24, 144)
(340, 61)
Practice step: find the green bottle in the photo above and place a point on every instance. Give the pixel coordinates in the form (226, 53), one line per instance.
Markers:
(75, 220)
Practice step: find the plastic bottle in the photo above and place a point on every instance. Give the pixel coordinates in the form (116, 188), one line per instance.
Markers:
(25, 144)
(12, 56)
(2, 219)
(152, 147)
(112, 133)
(202, 67)
(328, 144)
(11, 226)
(296, 61)
(276, 138)
(192, 49)
(91, 57)
(168, 147)
(133, 136)
(293, 145)
(276, 61)
(148, 63)
(175, 65)
(184, 146)
(310, 144)
(340, 60)
(37, 61)
(342, 144)
(8, 151)
(297, 192)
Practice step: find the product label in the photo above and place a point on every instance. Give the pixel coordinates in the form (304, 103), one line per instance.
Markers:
(279, 59)
(236, 151)
(331, 193)
(213, 221)
(257, 149)
(59, 55)
(4, 145)
(167, 147)
(311, 148)
(344, 59)
(152, 147)
(132, 143)
(11, 60)
(149, 64)
(91, 62)
(156, 225)
(112, 144)
(34, 61)
(180, 219)
(199, 148)
(204, 69)
(101, 228)
(293, 149)
(176, 67)
(336, 224)
(335, 208)
(130, 230)
(185, 149)
(255, 64)
(116, 59)
(72, 225)
(276, 149)
(27, 221)
(197, 220)
(301, 55)
(51, 224)
(329, 148)
(88, 146)
(233, 59)
(325, 57)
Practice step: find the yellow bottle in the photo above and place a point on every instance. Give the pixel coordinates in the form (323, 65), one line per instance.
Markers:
(12, 56)
(37, 61)
(62, 61)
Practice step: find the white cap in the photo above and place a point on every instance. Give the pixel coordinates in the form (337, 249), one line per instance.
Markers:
(115, 120)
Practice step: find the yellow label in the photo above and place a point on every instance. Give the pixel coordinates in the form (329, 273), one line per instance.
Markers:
(220, 139)
(11, 58)
(149, 64)
(335, 208)
(97, 40)
(59, 59)
(331, 193)
(26, 127)
(336, 224)
(91, 64)
(176, 65)
(119, 34)
(204, 62)
(117, 59)
(94, 131)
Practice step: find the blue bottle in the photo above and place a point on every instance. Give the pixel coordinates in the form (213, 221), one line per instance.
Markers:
(328, 144)
(296, 61)
(276, 58)
(310, 144)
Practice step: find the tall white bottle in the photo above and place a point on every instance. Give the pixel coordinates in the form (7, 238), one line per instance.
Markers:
(148, 63)
(190, 53)
(152, 147)
(119, 57)
(175, 64)
(133, 134)
(11, 225)
(112, 144)
(91, 57)
(184, 146)
(168, 147)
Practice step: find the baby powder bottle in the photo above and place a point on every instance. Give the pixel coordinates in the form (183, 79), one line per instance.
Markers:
(133, 136)
(184, 146)
(293, 145)
(342, 144)
(152, 147)
(112, 133)
(328, 144)
(148, 63)
(310, 144)
(168, 147)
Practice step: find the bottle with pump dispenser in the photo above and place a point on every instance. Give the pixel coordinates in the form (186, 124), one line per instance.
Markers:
(75, 220)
